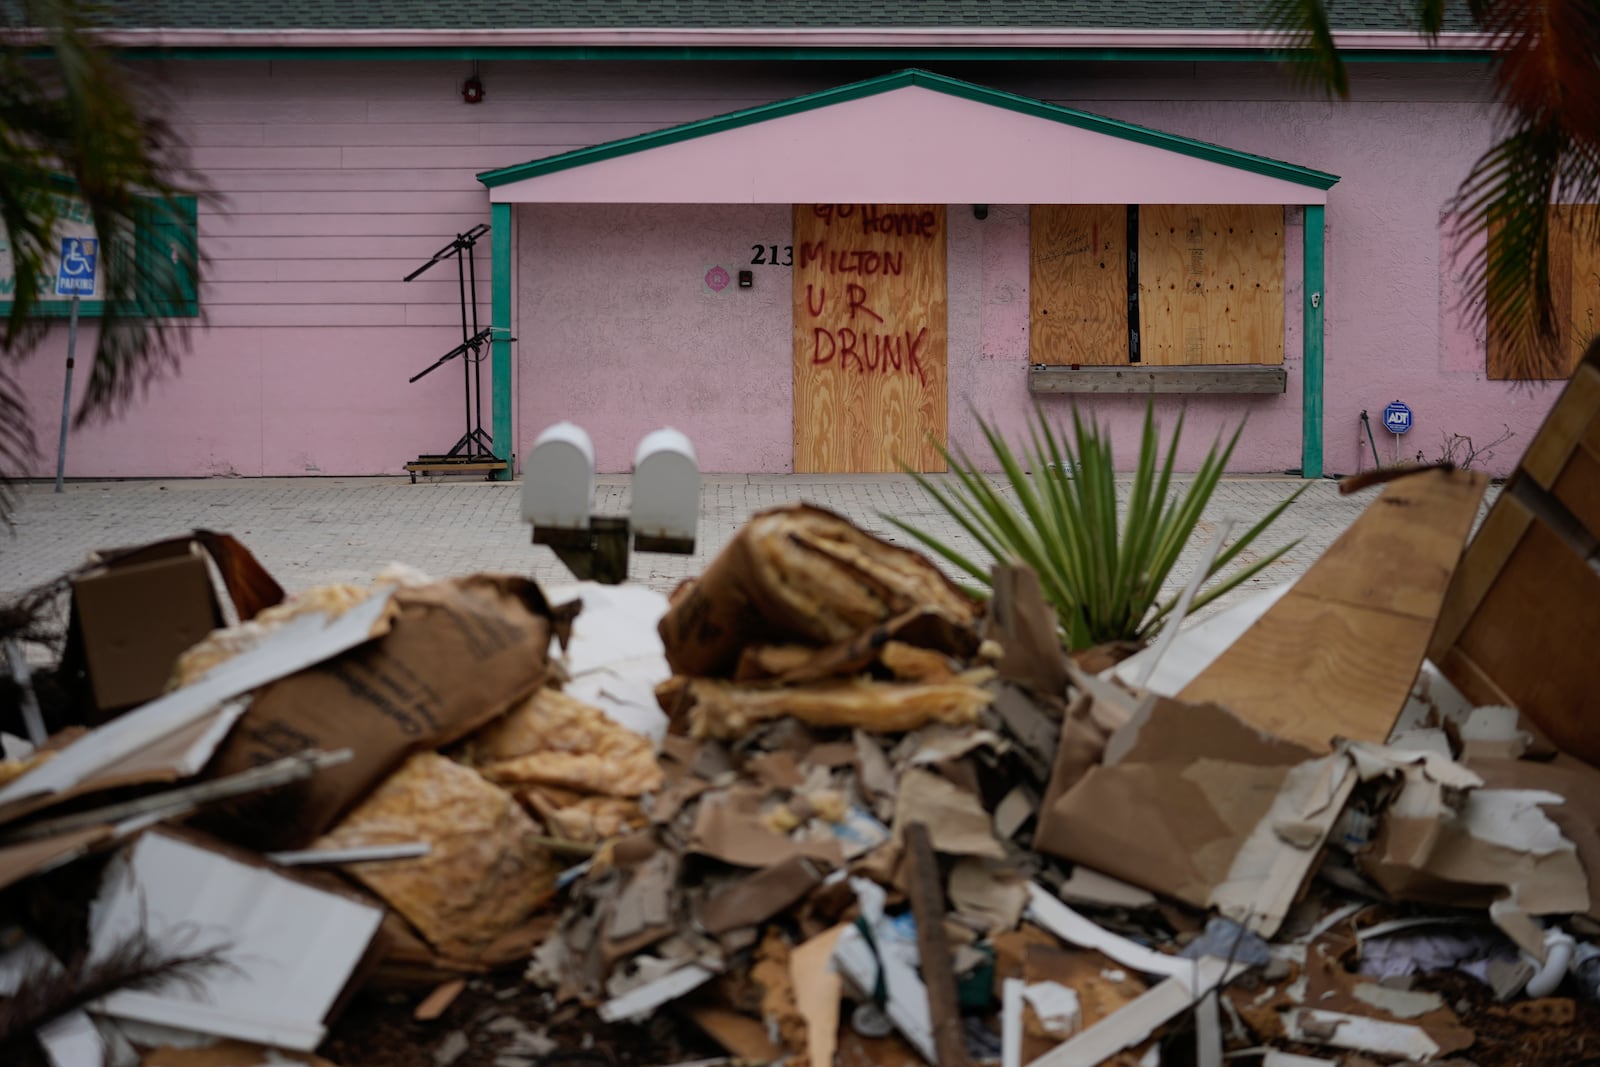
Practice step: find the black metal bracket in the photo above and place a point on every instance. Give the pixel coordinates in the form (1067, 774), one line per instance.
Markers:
(600, 553)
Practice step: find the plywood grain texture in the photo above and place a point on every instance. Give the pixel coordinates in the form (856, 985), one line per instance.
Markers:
(1337, 655)
(1211, 284)
(869, 337)
(1574, 260)
(1519, 622)
(1078, 284)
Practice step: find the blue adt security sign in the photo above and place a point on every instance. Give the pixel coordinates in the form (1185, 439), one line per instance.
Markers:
(76, 274)
(1397, 418)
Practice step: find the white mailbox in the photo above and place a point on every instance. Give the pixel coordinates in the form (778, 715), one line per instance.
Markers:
(558, 479)
(666, 493)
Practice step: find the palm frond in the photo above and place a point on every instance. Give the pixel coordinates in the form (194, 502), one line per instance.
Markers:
(1547, 153)
(73, 126)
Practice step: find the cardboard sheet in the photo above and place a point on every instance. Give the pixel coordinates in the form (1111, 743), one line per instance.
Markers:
(459, 654)
(728, 827)
(1194, 804)
(301, 643)
(956, 819)
(1337, 655)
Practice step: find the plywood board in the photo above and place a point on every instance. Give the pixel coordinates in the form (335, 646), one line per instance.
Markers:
(869, 337)
(1524, 610)
(1210, 284)
(1337, 655)
(1078, 284)
(1574, 260)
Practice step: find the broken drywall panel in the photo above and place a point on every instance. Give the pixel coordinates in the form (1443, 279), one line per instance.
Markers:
(1337, 655)
(614, 656)
(1485, 848)
(1135, 1022)
(1055, 1006)
(290, 948)
(644, 999)
(299, 643)
(1049, 912)
(1359, 1033)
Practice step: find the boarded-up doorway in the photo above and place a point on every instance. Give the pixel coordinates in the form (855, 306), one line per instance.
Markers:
(869, 337)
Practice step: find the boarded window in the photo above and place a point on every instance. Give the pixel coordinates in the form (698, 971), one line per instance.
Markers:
(1210, 284)
(1203, 285)
(1575, 292)
(1078, 284)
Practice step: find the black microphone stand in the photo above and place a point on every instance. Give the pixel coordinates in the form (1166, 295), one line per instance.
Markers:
(475, 448)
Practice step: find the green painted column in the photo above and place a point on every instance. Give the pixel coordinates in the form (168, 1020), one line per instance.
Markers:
(1310, 347)
(500, 349)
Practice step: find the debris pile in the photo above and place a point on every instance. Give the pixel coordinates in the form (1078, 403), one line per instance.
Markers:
(823, 806)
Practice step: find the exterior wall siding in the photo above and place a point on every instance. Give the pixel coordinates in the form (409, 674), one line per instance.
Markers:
(337, 178)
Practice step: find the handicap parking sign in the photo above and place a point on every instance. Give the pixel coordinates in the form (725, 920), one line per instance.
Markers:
(75, 276)
(1397, 417)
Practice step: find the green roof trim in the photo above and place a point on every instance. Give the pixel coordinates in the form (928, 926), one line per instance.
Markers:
(740, 14)
(797, 53)
(1084, 120)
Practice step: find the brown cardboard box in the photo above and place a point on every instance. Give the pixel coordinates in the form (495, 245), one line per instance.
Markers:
(135, 616)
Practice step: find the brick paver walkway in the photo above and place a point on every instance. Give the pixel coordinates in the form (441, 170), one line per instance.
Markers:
(309, 531)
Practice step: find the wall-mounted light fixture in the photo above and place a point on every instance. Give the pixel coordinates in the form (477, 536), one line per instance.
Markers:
(472, 88)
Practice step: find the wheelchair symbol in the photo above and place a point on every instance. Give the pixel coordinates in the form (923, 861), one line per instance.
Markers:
(74, 264)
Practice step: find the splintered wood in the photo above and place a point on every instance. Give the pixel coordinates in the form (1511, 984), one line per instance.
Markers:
(1337, 655)
(869, 337)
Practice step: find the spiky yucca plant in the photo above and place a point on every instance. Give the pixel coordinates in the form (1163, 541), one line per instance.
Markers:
(1102, 576)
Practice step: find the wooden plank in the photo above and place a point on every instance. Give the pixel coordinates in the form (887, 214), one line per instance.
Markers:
(1211, 284)
(1337, 655)
(1533, 637)
(1574, 410)
(1078, 284)
(1126, 379)
(869, 337)
(1493, 544)
(1535, 605)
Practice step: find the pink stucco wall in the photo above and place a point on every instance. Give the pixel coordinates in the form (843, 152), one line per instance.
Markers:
(619, 331)
(338, 178)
